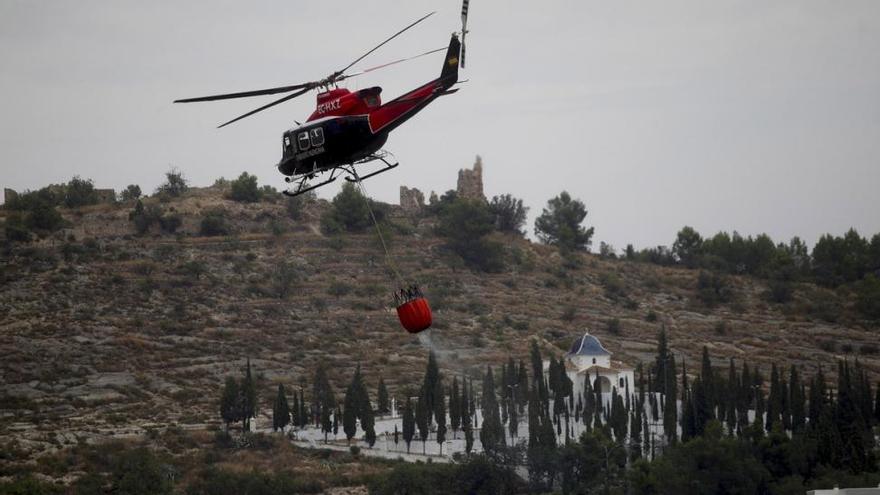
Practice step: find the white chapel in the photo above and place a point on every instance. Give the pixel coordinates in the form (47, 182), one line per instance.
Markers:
(588, 358)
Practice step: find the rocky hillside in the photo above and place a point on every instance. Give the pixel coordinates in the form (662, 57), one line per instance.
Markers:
(109, 333)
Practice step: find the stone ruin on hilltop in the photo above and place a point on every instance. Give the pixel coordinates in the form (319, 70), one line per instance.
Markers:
(469, 186)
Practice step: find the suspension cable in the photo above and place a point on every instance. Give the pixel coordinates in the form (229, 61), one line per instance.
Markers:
(388, 259)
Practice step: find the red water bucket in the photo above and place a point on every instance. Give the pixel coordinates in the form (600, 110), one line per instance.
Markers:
(415, 315)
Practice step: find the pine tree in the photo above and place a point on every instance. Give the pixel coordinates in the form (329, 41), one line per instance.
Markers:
(280, 410)
(409, 423)
(454, 407)
(383, 403)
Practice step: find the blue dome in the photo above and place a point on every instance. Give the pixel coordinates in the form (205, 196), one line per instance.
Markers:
(588, 346)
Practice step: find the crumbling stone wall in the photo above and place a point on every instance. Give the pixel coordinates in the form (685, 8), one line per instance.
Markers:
(470, 182)
(411, 200)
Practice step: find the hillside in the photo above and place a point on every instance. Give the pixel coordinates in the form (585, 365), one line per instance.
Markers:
(108, 333)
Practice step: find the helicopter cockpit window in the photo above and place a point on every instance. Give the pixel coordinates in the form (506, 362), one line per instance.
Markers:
(372, 101)
(303, 141)
(287, 144)
(317, 137)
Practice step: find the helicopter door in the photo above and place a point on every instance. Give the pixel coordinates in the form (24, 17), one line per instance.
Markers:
(303, 141)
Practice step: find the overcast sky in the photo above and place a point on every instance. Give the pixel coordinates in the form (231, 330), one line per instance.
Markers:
(748, 116)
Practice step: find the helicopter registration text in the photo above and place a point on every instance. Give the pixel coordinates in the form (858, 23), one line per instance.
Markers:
(310, 153)
(330, 105)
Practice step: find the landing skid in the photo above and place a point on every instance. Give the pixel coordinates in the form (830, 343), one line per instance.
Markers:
(301, 182)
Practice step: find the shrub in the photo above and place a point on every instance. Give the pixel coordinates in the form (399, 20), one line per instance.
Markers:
(245, 189)
(868, 297)
(569, 313)
(170, 223)
(614, 286)
(338, 289)
(466, 225)
(286, 276)
(868, 349)
(509, 213)
(175, 184)
(713, 288)
(779, 291)
(614, 326)
(651, 317)
(16, 230)
(350, 212)
(296, 205)
(80, 192)
(214, 223)
(130, 193)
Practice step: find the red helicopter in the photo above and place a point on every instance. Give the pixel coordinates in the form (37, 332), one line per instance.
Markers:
(348, 128)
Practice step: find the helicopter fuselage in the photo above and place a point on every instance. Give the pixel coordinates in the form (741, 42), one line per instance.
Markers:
(349, 126)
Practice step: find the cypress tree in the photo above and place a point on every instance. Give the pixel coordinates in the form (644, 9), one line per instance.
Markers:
(877, 405)
(466, 417)
(635, 431)
(409, 423)
(440, 416)
(294, 411)
(670, 409)
(688, 430)
(350, 409)
(522, 388)
(702, 412)
(513, 421)
(382, 401)
(798, 405)
(454, 407)
(709, 381)
(280, 410)
(303, 412)
(423, 414)
(229, 402)
(336, 414)
(396, 435)
(786, 403)
(249, 397)
(431, 384)
(538, 382)
(732, 399)
(660, 362)
(492, 433)
(368, 423)
(774, 401)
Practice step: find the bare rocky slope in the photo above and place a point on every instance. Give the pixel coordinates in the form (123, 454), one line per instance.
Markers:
(106, 333)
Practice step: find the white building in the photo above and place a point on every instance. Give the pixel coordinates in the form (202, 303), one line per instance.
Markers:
(587, 359)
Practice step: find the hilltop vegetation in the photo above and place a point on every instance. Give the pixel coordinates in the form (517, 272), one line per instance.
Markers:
(121, 318)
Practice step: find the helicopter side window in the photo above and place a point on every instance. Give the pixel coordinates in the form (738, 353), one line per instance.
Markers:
(317, 137)
(303, 141)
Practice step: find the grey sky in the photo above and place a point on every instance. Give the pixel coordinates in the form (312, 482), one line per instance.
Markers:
(748, 116)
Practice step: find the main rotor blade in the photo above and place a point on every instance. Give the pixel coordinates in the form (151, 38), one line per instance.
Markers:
(280, 100)
(245, 94)
(395, 35)
(371, 69)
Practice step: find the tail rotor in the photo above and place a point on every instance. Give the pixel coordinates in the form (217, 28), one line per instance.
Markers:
(464, 31)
